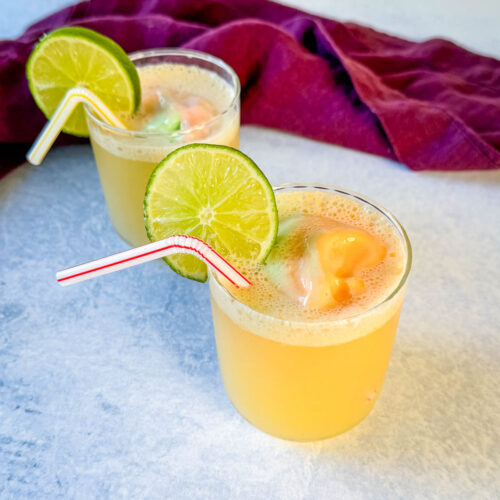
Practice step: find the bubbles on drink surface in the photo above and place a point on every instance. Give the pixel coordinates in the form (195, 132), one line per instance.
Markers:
(334, 258)
(173, 100)
(191, 85)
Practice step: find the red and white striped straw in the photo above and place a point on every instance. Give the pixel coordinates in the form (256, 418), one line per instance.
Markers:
(179, 244)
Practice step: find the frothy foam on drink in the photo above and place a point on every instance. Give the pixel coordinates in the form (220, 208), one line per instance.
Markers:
(182, 84)
(179, 85)
(270, 295)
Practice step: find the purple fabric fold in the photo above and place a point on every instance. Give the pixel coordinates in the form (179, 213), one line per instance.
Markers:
(429, 105)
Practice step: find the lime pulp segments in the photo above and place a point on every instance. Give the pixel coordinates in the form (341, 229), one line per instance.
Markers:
(217, 194)
(74, 56)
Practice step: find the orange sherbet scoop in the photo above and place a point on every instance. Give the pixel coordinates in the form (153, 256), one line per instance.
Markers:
(324, 261)
(341, 253)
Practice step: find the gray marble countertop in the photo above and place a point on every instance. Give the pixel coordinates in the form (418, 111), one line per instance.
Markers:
(110, 388)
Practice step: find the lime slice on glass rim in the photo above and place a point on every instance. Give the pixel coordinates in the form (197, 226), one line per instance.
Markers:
(217, 194)
(78, 57)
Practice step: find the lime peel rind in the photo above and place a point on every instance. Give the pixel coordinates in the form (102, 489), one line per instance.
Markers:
(92, 52)
(196, 177)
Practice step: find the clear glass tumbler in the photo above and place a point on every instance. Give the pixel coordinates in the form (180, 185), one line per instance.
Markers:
(126, 158)
(306, 381)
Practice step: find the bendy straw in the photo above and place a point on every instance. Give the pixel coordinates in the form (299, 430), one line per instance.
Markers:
(53, 127)
(178, 244)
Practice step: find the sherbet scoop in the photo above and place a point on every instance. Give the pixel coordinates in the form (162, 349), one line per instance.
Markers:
(164, 110)
(319, 262)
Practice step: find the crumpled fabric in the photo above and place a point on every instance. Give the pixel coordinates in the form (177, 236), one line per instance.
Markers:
(430, 105)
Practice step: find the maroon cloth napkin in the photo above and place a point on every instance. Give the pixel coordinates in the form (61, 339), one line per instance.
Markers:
(430, 105)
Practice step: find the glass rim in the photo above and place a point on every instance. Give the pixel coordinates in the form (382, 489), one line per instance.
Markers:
(194, 54)
(365, 200)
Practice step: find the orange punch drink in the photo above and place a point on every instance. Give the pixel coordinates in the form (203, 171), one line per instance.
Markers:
(303, 352)
(186, 96)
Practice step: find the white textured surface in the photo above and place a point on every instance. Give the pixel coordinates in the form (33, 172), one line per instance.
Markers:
(110, 388)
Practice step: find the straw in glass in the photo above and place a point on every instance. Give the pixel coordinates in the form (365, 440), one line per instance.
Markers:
(178, 244)
(53, 127)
